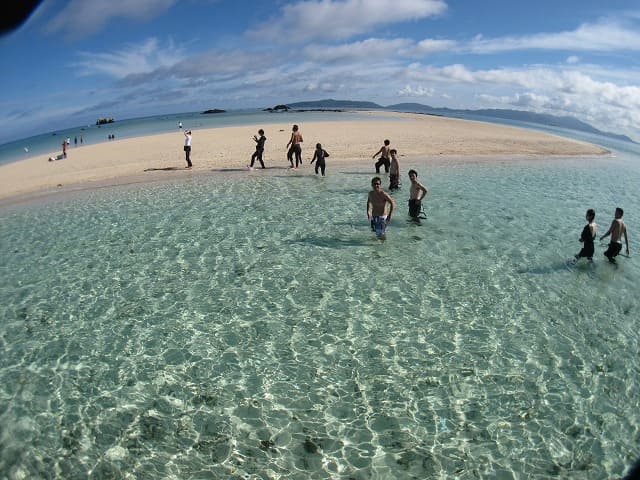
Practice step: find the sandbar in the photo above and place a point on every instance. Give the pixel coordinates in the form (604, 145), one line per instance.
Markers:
(415, 136)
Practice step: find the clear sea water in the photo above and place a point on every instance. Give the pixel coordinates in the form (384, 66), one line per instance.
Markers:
(249, 325)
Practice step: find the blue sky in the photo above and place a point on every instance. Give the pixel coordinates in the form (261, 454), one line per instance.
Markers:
(74, 61)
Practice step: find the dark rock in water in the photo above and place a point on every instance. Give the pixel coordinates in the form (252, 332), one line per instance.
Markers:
(105, 120)
(213, 110)
(277, 108)
(309, 446)
(266, 444)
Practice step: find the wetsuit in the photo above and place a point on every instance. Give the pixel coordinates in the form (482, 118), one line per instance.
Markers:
(259, 151)
(319, 156)
(587, 237)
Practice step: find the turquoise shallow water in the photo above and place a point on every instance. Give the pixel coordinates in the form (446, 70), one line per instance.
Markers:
(249, 325)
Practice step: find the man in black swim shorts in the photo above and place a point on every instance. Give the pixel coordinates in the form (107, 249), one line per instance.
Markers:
(416, 193)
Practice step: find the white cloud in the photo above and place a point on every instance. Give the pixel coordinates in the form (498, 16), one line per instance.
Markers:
(81, 18)
(366, 50)
(409, 91)
(340, 19)
(429, 45)
(603, 36)
(572, 59)
(560, 91)
(129, 60)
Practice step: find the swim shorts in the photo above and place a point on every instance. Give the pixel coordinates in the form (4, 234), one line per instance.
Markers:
(613, 250)
(379, 224)
(415, 207)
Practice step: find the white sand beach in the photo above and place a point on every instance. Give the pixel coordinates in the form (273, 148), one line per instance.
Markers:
(413, 135)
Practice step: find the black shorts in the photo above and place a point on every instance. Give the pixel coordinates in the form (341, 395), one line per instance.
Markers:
(587, 251)
(415, 207)
(613, 250)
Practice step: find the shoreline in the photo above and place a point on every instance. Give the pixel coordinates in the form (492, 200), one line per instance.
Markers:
(147, 158)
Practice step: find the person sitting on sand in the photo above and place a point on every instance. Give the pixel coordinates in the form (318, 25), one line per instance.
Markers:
(320, 154)
(416, 193)
(295, 141)
(587, 236)
(616, 230)
(259, 148)
(377, 207)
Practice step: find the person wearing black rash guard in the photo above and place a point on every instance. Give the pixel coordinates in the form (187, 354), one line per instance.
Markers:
(320, 154)
(259, 148)
(587, 236)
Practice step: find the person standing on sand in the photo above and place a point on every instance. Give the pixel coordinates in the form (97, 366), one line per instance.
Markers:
(320, 154)
(294, 142)
(187, 148)
(416, 193)
(616, 230)
(64, 149)
(384, 157)
(394, 171)
(587, 237)
(377, 207)
(259, 148)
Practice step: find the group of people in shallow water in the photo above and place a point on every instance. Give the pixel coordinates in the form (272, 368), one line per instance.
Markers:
(617, 230)
(380, 205)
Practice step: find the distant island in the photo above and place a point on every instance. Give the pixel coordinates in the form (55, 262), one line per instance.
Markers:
(567, 122)
(277, 108)
(213, 110)
(105, 120)
(286, 108)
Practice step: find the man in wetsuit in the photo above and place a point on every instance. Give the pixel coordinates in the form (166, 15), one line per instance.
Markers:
(259, 148)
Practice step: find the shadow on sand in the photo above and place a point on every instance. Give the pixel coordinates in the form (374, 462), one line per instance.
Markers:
(164, 169)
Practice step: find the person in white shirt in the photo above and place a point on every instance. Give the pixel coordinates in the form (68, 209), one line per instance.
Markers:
(187, 147)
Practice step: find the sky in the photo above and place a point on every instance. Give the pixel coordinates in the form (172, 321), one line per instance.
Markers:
(74, 61)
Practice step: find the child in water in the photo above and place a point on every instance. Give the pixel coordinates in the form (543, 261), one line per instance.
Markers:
(320, 154)
(394, 171)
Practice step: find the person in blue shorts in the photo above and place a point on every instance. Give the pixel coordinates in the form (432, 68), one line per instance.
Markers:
(377, 207)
